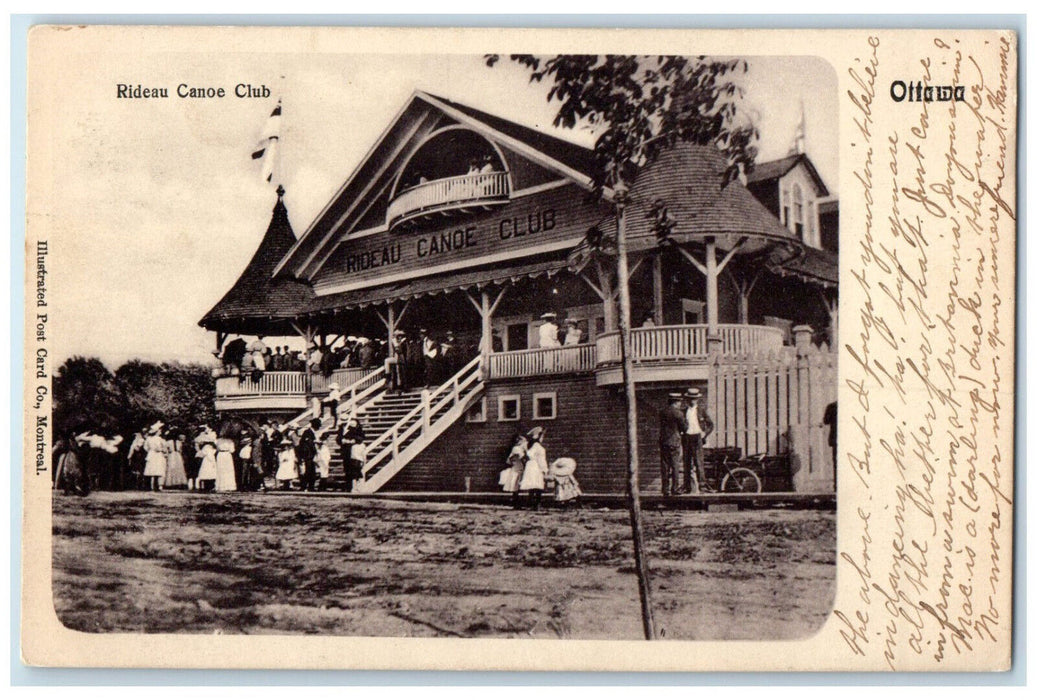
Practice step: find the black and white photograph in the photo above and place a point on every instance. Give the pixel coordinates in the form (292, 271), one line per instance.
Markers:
(429, 344)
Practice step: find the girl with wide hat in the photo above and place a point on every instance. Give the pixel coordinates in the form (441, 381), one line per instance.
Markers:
(535, 474)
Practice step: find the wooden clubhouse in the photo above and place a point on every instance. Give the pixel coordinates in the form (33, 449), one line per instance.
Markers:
(460, 220)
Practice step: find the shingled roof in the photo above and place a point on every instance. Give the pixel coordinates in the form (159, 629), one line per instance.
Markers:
(774, 169)
(688, 178)
(258, 303)
(814, 265)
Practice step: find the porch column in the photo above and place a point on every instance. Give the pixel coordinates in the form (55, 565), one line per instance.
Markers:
(713, 341)
(485, 309)
(307, 337)
(657, 287)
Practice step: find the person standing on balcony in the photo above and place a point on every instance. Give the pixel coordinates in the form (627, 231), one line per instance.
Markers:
(398, 363)
(573, 334)
(415, 364)
(429, 358)
(448, 365)
(699, 426)
(549, 331)
(672, 426)
(365, 353)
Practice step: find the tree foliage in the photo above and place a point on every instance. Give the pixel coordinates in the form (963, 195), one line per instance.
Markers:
(88, 396)
(642, 105)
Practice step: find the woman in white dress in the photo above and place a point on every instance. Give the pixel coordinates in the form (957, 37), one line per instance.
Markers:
(536, 470)
(286, 465)
(323, 456)
(512, 476)
(205, 443)
(155, 462)
(175, 474)
(225, 479)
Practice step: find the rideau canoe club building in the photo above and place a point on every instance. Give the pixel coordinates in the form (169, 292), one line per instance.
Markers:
(738, 298)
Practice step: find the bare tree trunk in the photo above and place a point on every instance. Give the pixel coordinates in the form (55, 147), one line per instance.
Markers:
(633, 489)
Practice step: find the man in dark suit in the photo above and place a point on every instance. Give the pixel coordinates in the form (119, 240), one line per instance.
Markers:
(698, 426)
(672, 425)
(307, 451)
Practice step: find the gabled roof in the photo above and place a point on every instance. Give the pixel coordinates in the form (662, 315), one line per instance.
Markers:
(573, 155)
(774, 169)
(421, 115)
(258, 302)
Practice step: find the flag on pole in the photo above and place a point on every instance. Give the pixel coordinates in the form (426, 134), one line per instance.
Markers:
(268, 141)
(799, 142)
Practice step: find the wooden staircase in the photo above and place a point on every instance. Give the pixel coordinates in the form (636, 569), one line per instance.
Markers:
(400, 426)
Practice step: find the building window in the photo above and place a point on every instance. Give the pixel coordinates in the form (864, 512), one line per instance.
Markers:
(797, 210)
(476, 413)
(518, 337)
(691, 311)
(509, 408)
(545, 406)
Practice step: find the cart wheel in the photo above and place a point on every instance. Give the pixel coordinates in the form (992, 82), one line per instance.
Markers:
(741, 480)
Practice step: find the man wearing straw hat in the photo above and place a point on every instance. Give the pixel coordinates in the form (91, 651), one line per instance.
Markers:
(698, 427)
(672, 425)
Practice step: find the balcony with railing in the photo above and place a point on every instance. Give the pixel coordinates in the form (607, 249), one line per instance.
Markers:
(284, 390)
(458, 194)
(660, 353)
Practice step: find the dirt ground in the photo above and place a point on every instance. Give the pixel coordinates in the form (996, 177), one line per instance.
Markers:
(254, 563)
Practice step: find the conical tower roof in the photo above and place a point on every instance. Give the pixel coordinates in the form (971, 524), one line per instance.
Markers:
(259, 303)
(689, 179)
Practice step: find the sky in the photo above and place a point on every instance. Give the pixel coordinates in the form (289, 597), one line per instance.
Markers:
(158, 206)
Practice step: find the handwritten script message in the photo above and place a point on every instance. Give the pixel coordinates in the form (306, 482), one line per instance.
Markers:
(927, 348)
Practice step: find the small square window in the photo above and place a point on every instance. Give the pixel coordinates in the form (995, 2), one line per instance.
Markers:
(545, 406)
(476, 413)
(509, 408)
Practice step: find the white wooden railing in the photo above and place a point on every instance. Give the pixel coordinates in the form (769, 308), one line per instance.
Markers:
(352, 397)
(270, 384)
(429, 196)
(396, 447)
(687, 342)
(530, 363)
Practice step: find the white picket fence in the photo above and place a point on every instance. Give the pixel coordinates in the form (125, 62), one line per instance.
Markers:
(774, 403)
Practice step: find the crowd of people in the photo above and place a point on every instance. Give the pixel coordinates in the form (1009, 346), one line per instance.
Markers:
(418, 358)
(425, 360)
(252, 359)
(271, 455)
(528, 473)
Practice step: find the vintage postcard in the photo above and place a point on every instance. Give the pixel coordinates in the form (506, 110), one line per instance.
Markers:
(519, 350)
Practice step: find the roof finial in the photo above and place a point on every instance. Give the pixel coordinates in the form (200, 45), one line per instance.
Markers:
(280, 192)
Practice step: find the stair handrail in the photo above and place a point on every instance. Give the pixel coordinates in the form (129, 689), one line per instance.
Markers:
(454, 383)
(351, 389)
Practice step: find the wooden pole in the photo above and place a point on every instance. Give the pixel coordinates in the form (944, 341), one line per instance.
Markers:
(657, 287)
(633, 488)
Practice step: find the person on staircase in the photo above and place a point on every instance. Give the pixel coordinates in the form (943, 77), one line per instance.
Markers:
(351, 447)
(429, 358)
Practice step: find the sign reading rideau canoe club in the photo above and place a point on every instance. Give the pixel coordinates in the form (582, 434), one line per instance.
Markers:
(483, 234)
